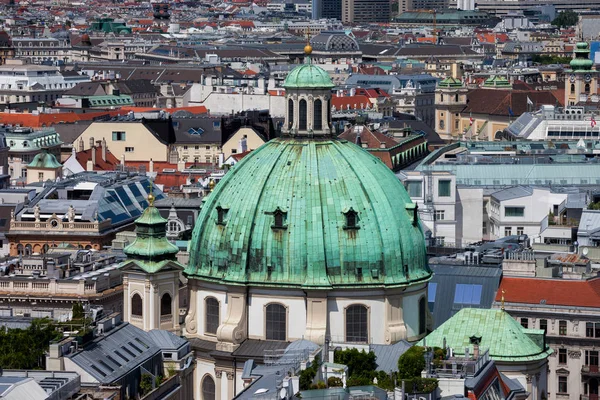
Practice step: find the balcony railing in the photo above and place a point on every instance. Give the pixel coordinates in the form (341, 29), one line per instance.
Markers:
(590, 370)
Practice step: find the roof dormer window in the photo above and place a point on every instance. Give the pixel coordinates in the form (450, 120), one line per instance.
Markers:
(279, 219)
(351, 219)
(222, 215)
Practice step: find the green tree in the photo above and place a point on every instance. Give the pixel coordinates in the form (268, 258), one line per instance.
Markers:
(566, 19)
(411, 363)
(308, 375)
(359, 363)
(145, 384)
(334, 381)
(26, 348)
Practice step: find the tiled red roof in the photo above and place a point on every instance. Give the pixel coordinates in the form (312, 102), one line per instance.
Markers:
(498, 101)
(355, 102)
(109, 164)
(239, 156)
(373, 139)
(559, 292)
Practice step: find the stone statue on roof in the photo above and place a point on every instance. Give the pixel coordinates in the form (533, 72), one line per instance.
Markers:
(36, 212)
(71, 213)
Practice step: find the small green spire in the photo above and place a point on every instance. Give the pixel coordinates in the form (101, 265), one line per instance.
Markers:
(151, 250)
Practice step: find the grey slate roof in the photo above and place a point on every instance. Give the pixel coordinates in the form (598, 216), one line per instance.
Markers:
(443, 287)
(116, 353)
(512, 193)
(166, 340)
(388, 355)
(253, 348)
(69, 132)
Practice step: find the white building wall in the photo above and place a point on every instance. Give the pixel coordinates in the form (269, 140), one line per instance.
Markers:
(296, 314)
(201, 307)
(225, 103)
(469, 215)
(410, 301)
(337, 321)
(203, 368)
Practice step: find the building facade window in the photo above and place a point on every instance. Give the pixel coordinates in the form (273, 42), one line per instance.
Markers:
(591, 358)
(212, 315)
(440, 215)
(525, 322)
(303, 117)
(507, 231)
(592, 329)
(544, 325)
(276, 316)
(118, 136)
(129, 149)
(520, 230)
(318, 115)
(444, 189)
(562, 356)
(414, 188)
(208, 388)
(136, 305)
(514, 211)
(562, 328)
(562, 385)
(166, 304)
(357, 324)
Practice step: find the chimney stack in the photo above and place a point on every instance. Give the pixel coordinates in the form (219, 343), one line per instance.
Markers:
(93, 150)
(103, 149)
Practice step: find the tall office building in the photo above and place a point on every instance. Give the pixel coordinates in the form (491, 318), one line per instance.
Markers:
(429, 4)
(365, 11)
(327, 9)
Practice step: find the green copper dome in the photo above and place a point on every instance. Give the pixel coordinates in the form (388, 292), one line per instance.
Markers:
(581, 61)
(44, 160)
(309, 213)
(151, 250)
(308, 76)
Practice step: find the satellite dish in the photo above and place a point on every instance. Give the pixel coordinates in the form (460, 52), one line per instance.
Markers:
(585, 251)
(282, 393)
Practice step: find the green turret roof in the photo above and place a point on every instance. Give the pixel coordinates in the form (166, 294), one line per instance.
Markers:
(450, 82)
(308, 76)
(497, 81)
(581, 61)
(505, 338)
(284, 216)
(44, 160)
(151, 250)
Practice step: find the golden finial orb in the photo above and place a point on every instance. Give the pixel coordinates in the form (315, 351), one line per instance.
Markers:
(308, 49)
(211, 184)
(150, 200)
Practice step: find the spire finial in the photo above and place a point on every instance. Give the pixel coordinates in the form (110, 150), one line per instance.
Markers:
(150, 195)
(502, 300)
(308, 48)
(211, 184)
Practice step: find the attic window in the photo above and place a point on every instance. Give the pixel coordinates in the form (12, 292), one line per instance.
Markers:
(196, 131)
(221, 215)
(351, 219)
(279, 219)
